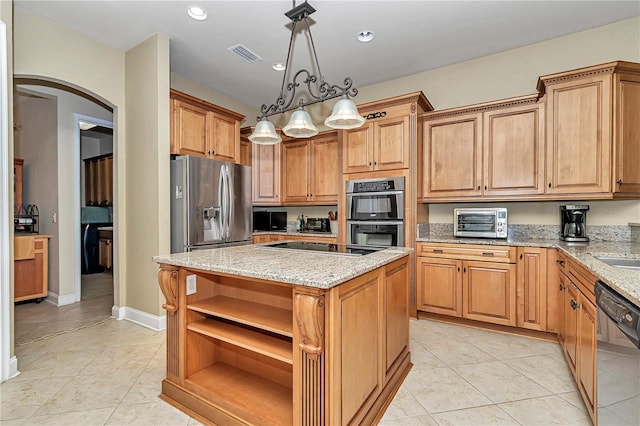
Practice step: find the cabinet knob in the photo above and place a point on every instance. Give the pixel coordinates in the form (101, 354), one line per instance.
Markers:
(521, 256)
(549, 184)
(478, 187)
(619, 182)
(485, 187)
(375, 163)
(369, 162)
(464, 270)
(574, 305)
(458, 269)
(561, 287)
(560, 262)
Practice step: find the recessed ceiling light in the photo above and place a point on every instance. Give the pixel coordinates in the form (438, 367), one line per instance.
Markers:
(197, 13)
(278, 66)
(365, 36)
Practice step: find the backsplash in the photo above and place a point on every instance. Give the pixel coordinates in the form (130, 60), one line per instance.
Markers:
(622, 233)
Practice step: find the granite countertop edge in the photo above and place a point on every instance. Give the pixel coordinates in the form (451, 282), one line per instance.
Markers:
(624, 281)
(302, 234)
(286, 266)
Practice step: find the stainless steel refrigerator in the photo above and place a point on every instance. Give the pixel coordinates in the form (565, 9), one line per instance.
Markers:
(210, 204)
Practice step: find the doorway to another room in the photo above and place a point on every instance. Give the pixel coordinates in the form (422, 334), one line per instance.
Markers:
(65, 140)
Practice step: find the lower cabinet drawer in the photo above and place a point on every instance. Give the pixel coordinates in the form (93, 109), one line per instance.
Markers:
(504, 254)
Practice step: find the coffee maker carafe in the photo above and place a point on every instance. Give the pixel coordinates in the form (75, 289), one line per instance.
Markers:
(573, 219)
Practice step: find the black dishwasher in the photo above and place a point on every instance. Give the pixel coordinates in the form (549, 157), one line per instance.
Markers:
(618, 357)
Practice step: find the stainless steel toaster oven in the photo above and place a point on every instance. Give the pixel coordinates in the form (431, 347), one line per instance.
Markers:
(480, 222)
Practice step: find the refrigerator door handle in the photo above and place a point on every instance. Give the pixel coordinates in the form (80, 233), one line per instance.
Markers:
(229, 203)
(221, 204)
(225, 202)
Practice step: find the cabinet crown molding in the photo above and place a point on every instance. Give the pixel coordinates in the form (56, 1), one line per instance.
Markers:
(481, 107)
(595, 70)
(417, 97)
(175, 94)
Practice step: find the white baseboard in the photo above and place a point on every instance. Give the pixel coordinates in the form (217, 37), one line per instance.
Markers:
(13, 367)
(65, 299)
(154, 322)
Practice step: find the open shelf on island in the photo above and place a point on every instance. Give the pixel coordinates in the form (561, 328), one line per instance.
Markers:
(256, 399)
(275, 320)
(270, 346)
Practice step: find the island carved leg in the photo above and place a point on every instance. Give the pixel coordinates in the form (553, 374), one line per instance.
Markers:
(168, 281)
(310, 324)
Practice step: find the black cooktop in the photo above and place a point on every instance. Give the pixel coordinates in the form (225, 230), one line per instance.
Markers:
(323, 247)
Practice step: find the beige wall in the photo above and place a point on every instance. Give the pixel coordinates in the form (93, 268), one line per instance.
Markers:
(46, 50)
(6, 16)
(514, 73)
(192, 88)
(147, 82)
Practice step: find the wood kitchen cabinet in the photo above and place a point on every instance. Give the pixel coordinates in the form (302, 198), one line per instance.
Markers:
(31, 267)
(457, 280)
(488, 150)
(266, 175)
(98, 180)
(593, 131)
(384, 142)
(532, 288)
(310, 173)
(257, 239)
(377, 145)
(246, 147)
(439, 286)
(580, 328)
(105, 248)
(204, 129)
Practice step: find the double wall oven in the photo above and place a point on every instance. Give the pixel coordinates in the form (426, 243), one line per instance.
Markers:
(375, 212)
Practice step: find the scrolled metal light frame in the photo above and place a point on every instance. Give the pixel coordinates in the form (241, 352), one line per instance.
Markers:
(317, 88)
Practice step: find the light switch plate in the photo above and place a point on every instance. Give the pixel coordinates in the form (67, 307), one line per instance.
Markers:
(191, 284)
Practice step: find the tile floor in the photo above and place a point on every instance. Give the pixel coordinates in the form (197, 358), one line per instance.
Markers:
(110, 373)
(34, 321)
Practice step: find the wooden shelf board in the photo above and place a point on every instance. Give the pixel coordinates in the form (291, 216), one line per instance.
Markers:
(246, 395)
(254, 341)
(257, 315)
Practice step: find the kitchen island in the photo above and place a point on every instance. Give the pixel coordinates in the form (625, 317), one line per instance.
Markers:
(259, 335)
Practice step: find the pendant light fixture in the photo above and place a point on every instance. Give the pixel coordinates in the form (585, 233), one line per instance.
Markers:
(345, 112)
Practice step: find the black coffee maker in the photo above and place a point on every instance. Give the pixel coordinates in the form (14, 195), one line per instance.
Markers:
(573, 223)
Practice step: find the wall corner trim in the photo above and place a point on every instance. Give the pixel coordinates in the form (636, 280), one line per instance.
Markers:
(154, 322)
(61, 300)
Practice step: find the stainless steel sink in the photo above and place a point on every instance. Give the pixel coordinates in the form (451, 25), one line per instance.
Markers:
(621, 262)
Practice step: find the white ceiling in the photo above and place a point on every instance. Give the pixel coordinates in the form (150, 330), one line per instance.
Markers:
(410, 36)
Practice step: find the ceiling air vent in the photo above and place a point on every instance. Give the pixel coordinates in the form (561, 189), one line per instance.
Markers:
(245, 53)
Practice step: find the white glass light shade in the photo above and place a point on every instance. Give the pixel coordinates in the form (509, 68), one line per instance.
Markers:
(265, 133)
(300, 125)
(344, 116)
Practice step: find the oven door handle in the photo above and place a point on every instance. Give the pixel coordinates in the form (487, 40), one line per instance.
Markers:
(366, 194)
(375, 222)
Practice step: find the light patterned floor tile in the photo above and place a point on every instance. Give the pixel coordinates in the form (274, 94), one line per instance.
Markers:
(574, 398)
(424, 420)
(442, 389)
(18, 398)
(506, 346)
(404, 404)
(459, 354)
(157, 414)
(499, 382)
(548, 371)
(487, 415)
(549, 410)
(424, 359)
(146, 388)
(85, 417)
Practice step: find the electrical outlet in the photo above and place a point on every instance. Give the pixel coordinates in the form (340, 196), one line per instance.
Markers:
(54, 217)
(191, 284)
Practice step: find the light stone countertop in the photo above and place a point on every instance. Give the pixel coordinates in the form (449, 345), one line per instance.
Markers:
(624, 281)
(299, 267)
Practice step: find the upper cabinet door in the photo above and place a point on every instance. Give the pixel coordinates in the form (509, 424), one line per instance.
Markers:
(514, 150)
(266, 174)
(191, 129)
(627, 135)
(358, 149)
(225, 139)
(391, 144)
(453, 156)
(295, 171)
(579, 136)
(324, 182)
